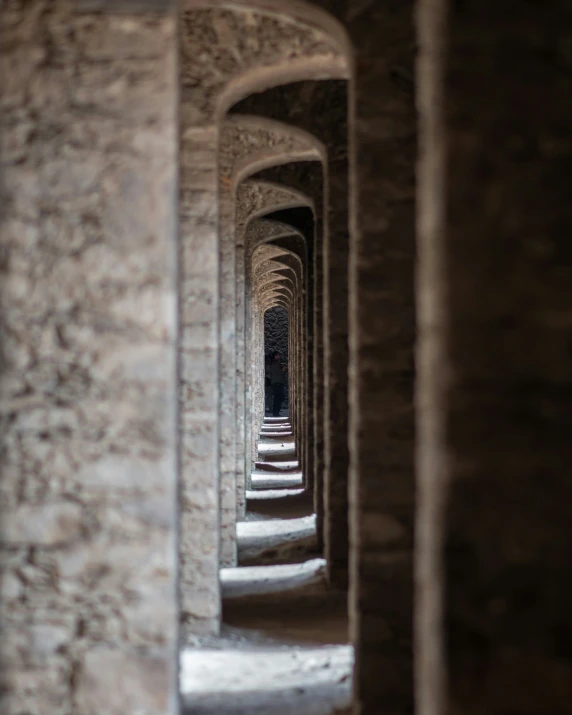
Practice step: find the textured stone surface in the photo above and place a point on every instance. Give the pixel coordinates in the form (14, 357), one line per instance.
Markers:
(87, 384)
(495, 371)
(199, 344)
(220, 45)
(381, 335)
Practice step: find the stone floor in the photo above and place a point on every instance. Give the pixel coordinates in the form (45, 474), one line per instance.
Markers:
(283, 647)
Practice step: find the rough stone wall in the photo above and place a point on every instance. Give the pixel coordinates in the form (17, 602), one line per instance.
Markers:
(496, 375)
(223, 45)
(257, 198)
(87, 381)
(276, 332)
(245, 141)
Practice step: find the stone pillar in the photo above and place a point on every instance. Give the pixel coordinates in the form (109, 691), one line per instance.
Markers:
(381, 370)
(249, 298)
(336, 352)
(242, 476)
(88, 371)
(317, 366)
(260, 369)
(199, 379)
(495, 388)
(227, 372)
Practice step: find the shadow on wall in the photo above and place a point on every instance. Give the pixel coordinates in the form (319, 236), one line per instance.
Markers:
(276, 337)
(276, 331)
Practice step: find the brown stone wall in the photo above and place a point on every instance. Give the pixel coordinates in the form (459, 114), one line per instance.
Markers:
(87, 306)
(382, 331)
(498, 335)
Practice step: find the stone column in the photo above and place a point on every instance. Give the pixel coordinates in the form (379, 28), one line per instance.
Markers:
(199, 379)
(249, 298)
(242, 476)
(227, 372)
(88, 371)
(381, 368)
(260, 364)
(495, 389)
(336, 351)
(317, 366)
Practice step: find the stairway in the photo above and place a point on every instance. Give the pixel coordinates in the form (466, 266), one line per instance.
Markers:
(283, 645)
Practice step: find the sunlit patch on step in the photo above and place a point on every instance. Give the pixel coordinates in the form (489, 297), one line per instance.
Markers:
(267, 447)
(265, 494)
(258, 580)
(276, 540)
(261, 480)
(263, 679)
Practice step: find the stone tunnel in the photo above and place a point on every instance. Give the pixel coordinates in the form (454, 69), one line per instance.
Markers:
(285, 357)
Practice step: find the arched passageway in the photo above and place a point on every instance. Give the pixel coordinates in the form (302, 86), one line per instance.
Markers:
(392, 180)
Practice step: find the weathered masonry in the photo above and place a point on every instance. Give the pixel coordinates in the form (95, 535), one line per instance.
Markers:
(381, 193)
